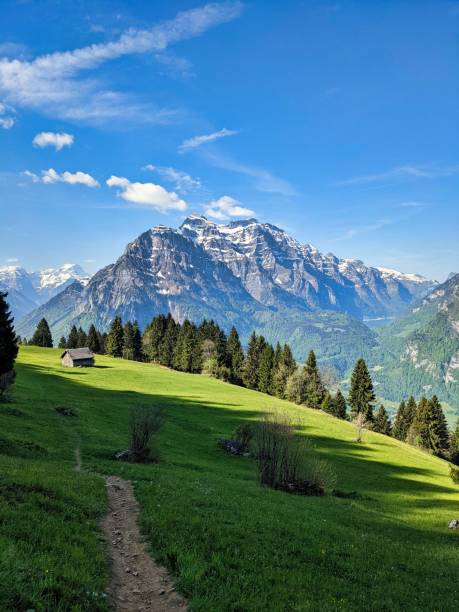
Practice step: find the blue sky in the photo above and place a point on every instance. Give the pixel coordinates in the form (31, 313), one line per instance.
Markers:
(337, 121)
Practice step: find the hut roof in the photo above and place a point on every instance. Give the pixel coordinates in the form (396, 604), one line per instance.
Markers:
(79, 353)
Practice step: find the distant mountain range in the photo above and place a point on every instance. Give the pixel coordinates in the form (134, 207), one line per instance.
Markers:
(419, 353)
(250, 274)
(27, 290)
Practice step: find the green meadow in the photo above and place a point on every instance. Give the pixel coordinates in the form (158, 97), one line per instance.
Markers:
(232, 545)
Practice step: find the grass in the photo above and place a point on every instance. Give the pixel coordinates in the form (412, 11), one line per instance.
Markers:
(383, 544)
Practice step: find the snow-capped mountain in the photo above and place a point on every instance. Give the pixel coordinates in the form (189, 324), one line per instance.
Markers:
(27, 290)
(250, 274)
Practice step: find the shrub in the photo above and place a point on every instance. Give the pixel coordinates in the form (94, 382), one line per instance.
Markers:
(286, 461)
(244, 434)
(143, 424)
(454, 473)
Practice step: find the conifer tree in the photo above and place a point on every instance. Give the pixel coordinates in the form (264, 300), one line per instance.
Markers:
(430, 428)
(236, 356)
(339, 405)
(400, 429)
(8, 345)
(137, 341)
(42, 336)
(72, 340)
(62, 343)
(102, 342)
(410, 413)
(82, 338)
(265, 369)
(128, 341)
(315, 391)
(361, 394)
(114, 345)
(93, 339)
(381, 422)
(166, 348)
(286, 367)
(327, 404)
(183, 349)
(251, 363)
(153, 337)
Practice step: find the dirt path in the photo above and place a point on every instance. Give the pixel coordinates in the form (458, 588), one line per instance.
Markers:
(137, 583)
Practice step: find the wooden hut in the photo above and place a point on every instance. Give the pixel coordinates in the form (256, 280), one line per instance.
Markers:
(77, 358)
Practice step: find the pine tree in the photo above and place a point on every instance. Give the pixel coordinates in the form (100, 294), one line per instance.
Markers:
(286, 366)
(115, 338)
(82, 338)
(400, 430)
(183, 349)
(315, 391)
(265, 369)
(236, 356)
(250, 377)
(153, 337)
(42, 336)
(166, 349)
(128, 341)
(454, 445)
(72, 340)
(137, 342)
(381, 422)
(361, 394)
(62, 343)
(93, 339)
(410, 413)
(8, 345)
(327, 404)
(429, 429)
(339, 405)
(102, 336)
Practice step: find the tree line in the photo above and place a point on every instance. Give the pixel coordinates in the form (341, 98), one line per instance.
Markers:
(205, 348)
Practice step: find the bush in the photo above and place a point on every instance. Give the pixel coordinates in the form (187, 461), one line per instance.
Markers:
(143, 424)
(286, 461)
(244, 434)
(454, 473)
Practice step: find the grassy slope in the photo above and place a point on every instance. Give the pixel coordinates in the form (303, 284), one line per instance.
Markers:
(232, 544)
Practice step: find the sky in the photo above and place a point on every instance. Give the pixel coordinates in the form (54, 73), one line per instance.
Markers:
(337, 121)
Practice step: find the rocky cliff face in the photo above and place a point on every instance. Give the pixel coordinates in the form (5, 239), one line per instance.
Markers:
(253, 275)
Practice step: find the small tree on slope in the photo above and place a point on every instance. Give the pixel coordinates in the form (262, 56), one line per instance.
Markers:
(361, 394)
(382, 423)
(115, 338)
(8, 345)
(42, 336)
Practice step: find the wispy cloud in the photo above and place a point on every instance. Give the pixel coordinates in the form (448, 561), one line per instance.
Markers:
(50, 176)
(264, 180)
(53, 139)
(182, 181)
(198, 141)
(413, 204)
(227, 207)
(6, 120)
(400, 172)
(52, 83)
(365, 229)
(147, 194)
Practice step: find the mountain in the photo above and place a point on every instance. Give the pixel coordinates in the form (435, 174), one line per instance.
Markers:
(420, 352)
(250, 274)
(27, 290)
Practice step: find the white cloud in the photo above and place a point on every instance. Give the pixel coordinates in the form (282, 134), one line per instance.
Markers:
(147, 194)
(182, 181)
(53, 139)
(12, 260)
(413, 204)
(227, 207)
(52, 83)
(72, 178)
(6, 122)
(364, 229)
(197, 141)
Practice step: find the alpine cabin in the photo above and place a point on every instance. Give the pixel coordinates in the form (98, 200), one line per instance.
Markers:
(77, 358)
